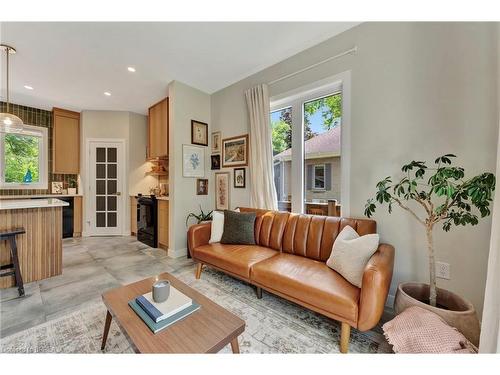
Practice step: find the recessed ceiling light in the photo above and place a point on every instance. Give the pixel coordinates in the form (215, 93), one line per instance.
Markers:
(107, 93)
(131, 69)
(28, 87)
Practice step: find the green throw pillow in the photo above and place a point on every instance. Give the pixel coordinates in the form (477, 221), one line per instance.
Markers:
(239, 228)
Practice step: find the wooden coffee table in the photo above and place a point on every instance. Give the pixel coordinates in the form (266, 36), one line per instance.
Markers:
(207, 330)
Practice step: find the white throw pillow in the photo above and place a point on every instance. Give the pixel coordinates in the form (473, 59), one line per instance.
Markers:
(351, 253)
(217, 226)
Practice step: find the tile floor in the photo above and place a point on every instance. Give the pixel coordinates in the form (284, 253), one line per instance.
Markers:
(90, 267)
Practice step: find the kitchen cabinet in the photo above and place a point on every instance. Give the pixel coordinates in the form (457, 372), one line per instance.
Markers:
(133, 216)
(65, 141)
(77, 216)
(163, 224)
(158, 130)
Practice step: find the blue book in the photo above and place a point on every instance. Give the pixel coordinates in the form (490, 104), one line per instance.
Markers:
(156, 327)
(149, 308)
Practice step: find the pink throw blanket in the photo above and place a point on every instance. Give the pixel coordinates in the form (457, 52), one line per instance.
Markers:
(417, 330)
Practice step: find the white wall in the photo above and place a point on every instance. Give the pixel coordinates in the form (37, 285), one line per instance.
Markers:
(118, 125)
(185, 104)
(419, 90)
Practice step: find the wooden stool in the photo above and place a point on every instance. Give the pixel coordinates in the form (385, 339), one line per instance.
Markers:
(13, 268)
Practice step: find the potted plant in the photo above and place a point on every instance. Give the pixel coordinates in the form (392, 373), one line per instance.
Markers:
(445, 197)
(200, 218)
(72, 185)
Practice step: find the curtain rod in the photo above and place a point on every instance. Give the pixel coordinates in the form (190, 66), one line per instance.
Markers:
(352, 51)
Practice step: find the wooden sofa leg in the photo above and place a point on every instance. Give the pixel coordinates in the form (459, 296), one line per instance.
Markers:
(345, 335)
(259, 292)
(199, 268)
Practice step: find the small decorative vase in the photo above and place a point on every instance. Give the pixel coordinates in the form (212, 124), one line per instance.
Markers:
(72, 191)
(161, 291)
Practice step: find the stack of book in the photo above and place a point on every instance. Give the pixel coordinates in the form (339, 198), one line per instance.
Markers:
(158, 316)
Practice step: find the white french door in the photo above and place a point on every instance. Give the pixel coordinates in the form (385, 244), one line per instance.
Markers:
(105, 187)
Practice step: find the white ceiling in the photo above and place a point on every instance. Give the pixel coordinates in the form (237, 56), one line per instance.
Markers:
(71, 65)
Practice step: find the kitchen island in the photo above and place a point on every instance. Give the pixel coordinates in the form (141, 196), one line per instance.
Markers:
(40, 248)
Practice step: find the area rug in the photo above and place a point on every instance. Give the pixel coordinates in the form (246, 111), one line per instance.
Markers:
(273, 325)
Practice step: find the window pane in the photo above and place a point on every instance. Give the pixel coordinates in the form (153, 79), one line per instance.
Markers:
(22, 158)
(322, 126)
(281, 123)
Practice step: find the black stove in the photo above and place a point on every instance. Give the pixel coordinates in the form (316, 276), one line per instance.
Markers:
(147, 220)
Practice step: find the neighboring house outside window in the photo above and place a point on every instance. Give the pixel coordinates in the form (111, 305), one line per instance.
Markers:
(318, 177)
(23, 161)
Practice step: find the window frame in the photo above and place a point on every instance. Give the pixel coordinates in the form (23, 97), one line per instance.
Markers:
(295, 98)
(314, 187)
(43, 161)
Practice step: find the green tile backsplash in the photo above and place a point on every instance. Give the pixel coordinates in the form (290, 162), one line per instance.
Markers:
(36, 117)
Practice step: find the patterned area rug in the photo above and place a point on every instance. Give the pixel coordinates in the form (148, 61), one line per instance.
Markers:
(273, 325)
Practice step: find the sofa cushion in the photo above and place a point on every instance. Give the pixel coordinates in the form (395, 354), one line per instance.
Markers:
(238, 228)
(309, 281)
(236, 259)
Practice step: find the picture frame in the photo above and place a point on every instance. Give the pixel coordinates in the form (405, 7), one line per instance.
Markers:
(57, 187)
(235, 151)
(199, 133)
(193, 161)
(215, 162)
(216, 142)
(201, 186)
(222, 189)
(239, 178)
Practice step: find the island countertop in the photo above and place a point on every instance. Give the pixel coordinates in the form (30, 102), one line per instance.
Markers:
(17, 204)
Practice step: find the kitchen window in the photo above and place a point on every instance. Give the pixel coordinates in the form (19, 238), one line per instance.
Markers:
(23, 161)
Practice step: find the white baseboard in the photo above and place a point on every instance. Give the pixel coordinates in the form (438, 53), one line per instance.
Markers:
(177, 253)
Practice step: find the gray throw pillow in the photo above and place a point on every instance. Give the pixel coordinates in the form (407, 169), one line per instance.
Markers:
(239, 228)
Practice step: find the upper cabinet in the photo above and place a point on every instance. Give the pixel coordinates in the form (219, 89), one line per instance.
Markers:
(158, 130)
(65, 142)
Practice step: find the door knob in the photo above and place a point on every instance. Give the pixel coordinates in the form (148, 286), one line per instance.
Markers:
(118, 193)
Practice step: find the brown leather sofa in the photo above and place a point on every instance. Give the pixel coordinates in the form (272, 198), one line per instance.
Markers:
(289, 260)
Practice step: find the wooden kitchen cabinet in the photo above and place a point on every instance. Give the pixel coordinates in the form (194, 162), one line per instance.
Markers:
(77, 216)
(65, 141)
(133, 216)
(158, 130)
(163, 224)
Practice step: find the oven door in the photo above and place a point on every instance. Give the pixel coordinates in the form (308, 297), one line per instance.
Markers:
(146, 221)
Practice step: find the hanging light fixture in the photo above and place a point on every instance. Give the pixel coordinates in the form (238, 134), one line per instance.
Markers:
(8, 121)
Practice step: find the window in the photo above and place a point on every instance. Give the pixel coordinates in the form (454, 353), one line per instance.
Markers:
(308, 121)
(319, 177)
(23, 161)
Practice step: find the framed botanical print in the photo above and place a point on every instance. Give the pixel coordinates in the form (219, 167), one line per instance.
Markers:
(239, 178)
(201, 186)
(216, 142)
(199, 133)
(215, 159)
(235, 151)
(193, 161)
(222, 190)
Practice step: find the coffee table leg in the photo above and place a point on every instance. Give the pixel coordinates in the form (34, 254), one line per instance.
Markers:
(106, 330)
(235, 346)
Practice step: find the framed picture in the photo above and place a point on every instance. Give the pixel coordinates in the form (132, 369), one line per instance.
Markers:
(222, 191)
(235, 151)
(216, 140)
(199, 133)
(239, 178)
(215, 161)
(193, 161)
(201, 186)
(57, 187)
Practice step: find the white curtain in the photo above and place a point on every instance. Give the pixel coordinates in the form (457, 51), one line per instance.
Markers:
(490, 328)
(262, 193)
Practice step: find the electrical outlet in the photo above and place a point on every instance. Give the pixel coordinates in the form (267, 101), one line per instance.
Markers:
(443, 270)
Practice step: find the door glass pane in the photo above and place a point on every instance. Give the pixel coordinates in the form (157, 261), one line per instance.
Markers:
(111, 155)
(111, 170)
(111, 187)
(100, 171)
(281, 123)
(111, 203)
(100, 187)
(322, 127)
(100, 155)
(112, 219)
(100, 203)
(100, 219)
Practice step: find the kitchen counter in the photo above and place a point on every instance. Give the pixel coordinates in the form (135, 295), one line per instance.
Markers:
(158, 197)
(5, 197)
(16, 204)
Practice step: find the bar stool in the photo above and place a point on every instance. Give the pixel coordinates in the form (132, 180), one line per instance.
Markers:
(13, 268)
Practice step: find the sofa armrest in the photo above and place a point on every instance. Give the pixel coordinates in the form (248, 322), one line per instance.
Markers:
(198, 234)
(375, 287)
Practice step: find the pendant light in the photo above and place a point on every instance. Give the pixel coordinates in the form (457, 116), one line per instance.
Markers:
(8, 121)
